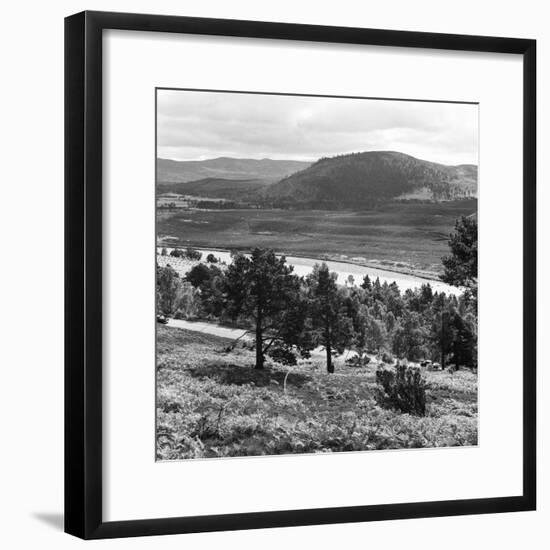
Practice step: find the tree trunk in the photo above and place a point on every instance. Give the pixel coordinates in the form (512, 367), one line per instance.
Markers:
(259, 354)
(328, 347)
(259, 341)
(330, 366)
(442, 344)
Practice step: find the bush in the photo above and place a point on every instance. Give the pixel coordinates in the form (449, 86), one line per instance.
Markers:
(211, 259)
(282, 354)
(198, 275)
(176, 253)
(358, 361)
(187, 303)
(403, 388)
(387, 357)
(192, 254)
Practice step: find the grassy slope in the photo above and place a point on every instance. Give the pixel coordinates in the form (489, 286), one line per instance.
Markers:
(212, 404)
(412, 233)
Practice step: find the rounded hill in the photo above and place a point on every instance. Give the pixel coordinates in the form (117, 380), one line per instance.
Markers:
(373, 176)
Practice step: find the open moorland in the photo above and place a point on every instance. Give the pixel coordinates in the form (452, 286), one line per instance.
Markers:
(409, 232)
(212, 402)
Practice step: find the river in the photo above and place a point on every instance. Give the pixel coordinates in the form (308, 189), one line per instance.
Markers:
(303, 266)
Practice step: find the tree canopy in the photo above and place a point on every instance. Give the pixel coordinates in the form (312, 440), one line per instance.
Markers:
(332, 328)
(263, 289)
(461, 265)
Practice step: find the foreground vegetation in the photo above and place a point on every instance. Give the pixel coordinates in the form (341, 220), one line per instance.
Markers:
(211, 403)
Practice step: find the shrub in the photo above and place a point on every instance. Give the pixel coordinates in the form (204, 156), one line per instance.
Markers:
(387, 357)
(282, 354)
(403, 388)
(176, 253)
(211, 259)
(198, 274)
(192, 254)
(358, 361)
(187, 304)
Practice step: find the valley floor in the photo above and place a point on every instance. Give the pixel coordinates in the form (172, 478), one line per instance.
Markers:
(407, 237)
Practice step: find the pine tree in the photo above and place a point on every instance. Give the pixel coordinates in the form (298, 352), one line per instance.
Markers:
(263, 289)
(464, 347)
(168, 286)
(332, 328)
(442, 330)
(366, 284)
(410, 337)
(461, 265)
(357, 312)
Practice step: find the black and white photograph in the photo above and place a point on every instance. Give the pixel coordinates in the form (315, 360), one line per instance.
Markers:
(316, 274)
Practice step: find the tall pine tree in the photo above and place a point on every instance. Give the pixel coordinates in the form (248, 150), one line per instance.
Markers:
(263, 289)
(332, 328)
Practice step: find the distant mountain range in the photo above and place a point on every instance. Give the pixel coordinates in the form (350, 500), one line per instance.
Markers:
(345, 180)
(175, 171)
(218, 188)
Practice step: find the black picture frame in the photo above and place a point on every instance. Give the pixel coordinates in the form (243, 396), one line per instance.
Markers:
(83, 274)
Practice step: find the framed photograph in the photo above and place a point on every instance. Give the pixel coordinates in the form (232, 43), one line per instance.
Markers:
(300, 275)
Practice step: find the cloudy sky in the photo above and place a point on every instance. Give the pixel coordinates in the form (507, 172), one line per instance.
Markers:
(201, 125)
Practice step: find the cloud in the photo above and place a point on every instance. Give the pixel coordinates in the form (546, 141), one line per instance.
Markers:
(198, 125)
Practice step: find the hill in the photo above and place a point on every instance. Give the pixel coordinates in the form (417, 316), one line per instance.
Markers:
(173, 171)
(374, 176)
(217, 188)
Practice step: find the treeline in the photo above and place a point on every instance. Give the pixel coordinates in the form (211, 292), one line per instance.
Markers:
(291, 315)
(322, 204)
(187, 254)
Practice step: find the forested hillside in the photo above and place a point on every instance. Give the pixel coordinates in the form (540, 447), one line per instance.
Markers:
(374, 176)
